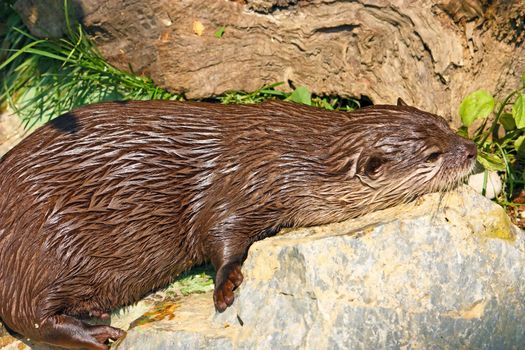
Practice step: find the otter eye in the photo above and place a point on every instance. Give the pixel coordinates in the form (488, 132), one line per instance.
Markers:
(373, 165)
(433, 157)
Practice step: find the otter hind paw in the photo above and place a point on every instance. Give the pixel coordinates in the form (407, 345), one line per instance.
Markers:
(228, 278)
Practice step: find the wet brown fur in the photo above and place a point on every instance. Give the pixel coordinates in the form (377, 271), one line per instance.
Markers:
(108, 202)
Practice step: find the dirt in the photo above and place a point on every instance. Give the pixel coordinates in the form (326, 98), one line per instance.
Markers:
(517, 212)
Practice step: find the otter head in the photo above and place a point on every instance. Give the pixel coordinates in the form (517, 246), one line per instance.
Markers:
(396, 153)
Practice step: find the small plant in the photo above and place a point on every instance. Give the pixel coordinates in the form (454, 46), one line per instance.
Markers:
(299, 95)
(197, 280)
(498, 129)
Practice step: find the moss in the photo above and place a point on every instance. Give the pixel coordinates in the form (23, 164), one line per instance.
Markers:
(499, 226)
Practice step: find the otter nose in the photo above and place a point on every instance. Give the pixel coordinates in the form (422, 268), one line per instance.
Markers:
(471, 150)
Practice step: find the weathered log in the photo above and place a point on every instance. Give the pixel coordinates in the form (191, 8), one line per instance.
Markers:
(429, 52)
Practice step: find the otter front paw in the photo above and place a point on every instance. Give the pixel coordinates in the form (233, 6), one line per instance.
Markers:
(228, 278)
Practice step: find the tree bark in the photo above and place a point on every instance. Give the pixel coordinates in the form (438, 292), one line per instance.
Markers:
(431, 53)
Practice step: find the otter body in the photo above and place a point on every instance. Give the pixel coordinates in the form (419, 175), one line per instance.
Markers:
(108, 202)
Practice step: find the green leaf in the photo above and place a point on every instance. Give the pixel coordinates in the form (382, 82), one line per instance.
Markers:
(507, 120)
(491, 161)
(518, 111)
(478, 104)
(301, 95)
(20, 52)
(218, 34)
(523, 79)
(520, 146)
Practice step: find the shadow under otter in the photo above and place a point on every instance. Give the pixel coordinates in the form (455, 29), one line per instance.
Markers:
(124, 197)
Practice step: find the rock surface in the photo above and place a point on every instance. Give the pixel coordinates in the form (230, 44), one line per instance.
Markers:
(437, 273)
(11, 131)
(491, 181)
(430, 52)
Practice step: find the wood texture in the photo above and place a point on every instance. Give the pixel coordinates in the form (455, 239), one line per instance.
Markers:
(429, 52)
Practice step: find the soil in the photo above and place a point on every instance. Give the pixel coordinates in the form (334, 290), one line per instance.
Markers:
(517, 213)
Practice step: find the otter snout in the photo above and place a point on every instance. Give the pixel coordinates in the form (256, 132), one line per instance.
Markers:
(465, 152)
(469, 150)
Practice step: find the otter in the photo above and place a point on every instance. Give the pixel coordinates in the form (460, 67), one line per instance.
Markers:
(106, 203)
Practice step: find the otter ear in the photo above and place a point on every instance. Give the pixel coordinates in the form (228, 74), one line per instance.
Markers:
(400, 102)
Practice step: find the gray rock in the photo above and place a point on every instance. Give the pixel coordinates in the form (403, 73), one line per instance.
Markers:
(491, 181)
(437, 273)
